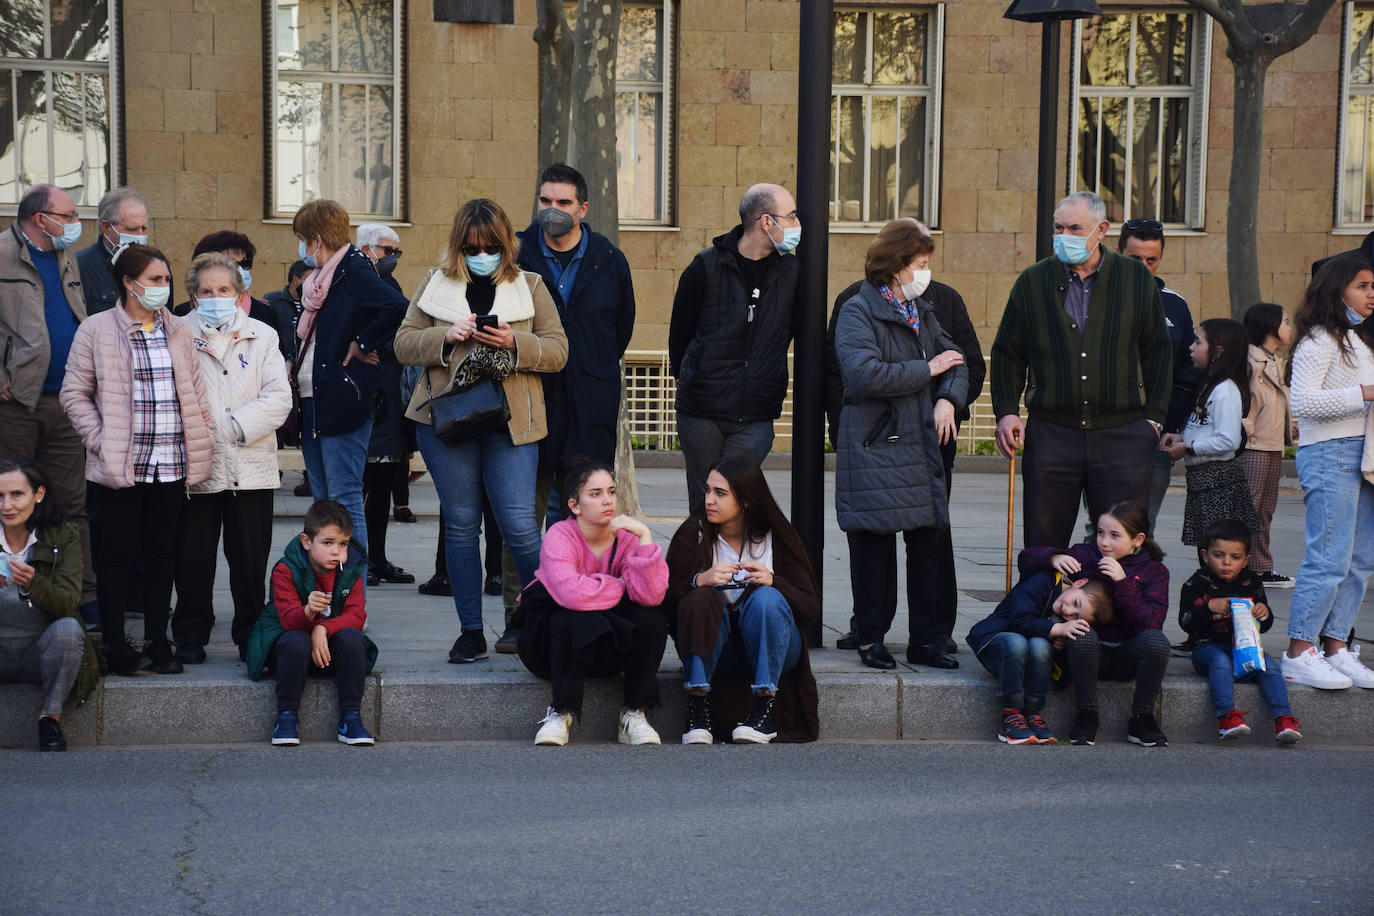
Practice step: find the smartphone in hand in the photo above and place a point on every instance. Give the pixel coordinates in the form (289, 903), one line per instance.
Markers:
(488, 322)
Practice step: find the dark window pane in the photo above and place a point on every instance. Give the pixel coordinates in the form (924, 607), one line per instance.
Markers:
(80, 29)
(899, 49)
(882, 176)
(850, 50)
(1162, 49)
(849, 130)
(911, 159)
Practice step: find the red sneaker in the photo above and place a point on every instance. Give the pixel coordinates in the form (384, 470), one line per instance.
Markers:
(1232, 725)
(1286, 730)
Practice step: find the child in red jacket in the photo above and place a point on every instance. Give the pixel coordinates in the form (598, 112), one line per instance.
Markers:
(314, 623)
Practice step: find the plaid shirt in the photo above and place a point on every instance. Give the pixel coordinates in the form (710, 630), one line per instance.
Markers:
(158, 441)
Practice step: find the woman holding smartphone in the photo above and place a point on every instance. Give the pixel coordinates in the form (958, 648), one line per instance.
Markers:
(479, 316)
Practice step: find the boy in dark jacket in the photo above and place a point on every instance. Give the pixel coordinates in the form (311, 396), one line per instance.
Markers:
(1204, 612)
(1016, 643)
(314, 623)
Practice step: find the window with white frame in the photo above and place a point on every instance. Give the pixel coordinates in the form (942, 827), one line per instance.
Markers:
(58, 109)
(885, 114)
(1355, 174)
(335, 103)
(643, 96)
(1138, 110)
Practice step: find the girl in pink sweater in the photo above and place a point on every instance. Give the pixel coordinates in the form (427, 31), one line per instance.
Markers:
(593, 609)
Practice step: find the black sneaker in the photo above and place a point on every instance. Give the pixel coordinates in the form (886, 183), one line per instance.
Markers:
(698, 727)
(122, 658)
(50, 737)
(159, 658)
(437, 586)
(1144, 730)
(509, 643)
(757, 728)
(1272, 579)
(470, 646)
(847, 641)
(393, 574)
(1084, 728)
(493, 586)
(190, 653)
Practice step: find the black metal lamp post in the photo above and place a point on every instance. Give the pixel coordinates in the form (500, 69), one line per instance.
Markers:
(1050, 13)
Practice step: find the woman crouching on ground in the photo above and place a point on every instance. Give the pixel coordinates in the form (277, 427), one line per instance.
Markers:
(593, 609)
(740, 593)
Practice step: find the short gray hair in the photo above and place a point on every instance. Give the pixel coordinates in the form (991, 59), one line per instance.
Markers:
(207, 260)
(34, 201)
(1096, 208)
(756, 202)
(369, 234)
(113, 202)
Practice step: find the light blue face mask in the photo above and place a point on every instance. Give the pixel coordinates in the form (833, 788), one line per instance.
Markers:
(309, 259)
(1354, 317)
(1071, 249)
(482, 265)
(791, 238)
(247, 276)
(71, 234)
(216, 313)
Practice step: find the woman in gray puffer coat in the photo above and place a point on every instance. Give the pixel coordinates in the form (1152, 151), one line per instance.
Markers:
(904, 378)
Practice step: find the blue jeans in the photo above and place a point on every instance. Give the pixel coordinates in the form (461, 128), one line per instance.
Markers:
(1022, 669)
(506, 471)
(772, 643)
(1340, 540)
(335, 466)
(1214, 662)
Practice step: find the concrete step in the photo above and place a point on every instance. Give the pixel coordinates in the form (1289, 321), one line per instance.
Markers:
(416, 696)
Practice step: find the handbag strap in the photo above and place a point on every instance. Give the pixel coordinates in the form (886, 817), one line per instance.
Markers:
(300, 356)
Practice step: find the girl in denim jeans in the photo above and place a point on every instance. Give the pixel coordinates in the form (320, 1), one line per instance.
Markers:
(1331, 384)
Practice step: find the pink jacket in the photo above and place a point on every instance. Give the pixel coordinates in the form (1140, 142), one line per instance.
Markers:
(578, 581)
(98, 396)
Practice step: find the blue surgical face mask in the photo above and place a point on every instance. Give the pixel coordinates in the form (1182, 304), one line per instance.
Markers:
(154, 298)
(71, 234)
(482, 265)
(1354, 317)
(127, 238)
(247, 276)
(791, 237)
(216, 313)
(1071, 249)
(309, 259)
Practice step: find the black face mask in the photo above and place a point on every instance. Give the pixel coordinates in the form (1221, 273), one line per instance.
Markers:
(386, 265)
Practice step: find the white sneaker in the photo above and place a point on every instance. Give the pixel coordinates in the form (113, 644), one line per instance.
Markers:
(1312, 669)
(1347, 662)
(635, 728)
(553, 728)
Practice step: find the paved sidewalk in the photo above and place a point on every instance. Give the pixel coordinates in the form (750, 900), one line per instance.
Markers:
(415, 695)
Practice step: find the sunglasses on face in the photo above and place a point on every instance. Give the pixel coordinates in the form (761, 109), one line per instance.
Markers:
(388, 250)
(474, 250)
(1149, 225)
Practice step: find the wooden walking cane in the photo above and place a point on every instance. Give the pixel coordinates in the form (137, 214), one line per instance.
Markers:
(1011, 510)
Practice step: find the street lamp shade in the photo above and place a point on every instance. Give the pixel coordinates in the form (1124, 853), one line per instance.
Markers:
(1051, 10)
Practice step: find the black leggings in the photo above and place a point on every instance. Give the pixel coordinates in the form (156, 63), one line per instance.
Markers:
(379, 479)
(1144, 657)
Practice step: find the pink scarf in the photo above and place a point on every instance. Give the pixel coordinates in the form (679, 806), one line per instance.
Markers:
(314, 290)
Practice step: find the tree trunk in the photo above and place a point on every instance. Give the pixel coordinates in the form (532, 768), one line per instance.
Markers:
(1242, 212)
(554, 40)
(593, 145)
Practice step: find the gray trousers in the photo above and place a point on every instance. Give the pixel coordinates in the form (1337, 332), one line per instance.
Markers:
(53, 660)
(705, 442)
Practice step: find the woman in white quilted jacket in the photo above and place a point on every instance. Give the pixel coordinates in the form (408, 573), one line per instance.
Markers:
(1332, 386)
(249, 397)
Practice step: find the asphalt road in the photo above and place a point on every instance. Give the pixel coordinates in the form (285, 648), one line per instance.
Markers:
(915, 828)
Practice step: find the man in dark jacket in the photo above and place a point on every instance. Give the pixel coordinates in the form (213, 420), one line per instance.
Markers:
(286, 302)
(1366, 251)
(733, 319)
(1083, 335)
(241, 249)
(123, 216)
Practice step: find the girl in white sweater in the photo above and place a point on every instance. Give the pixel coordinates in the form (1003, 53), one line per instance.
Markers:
(1217, 488)
(1332, 385)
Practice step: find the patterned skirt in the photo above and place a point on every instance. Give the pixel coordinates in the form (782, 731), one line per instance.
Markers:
(1216, 490)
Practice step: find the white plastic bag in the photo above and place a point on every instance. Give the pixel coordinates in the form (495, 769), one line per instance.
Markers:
(1248, 656)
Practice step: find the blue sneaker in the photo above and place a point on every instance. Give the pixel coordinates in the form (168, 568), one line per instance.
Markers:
(287, 732)
(351, 729)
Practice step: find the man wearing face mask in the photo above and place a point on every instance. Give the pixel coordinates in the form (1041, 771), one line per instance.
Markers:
(41, 306)
(1084, 336)
(733, 319)
(286, 302)
(123, 215)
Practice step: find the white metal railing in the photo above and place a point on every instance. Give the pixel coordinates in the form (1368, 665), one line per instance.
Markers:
(650, 389)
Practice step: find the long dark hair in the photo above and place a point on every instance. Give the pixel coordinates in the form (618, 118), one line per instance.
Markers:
(575, 477)
(1323, 306)
(1135, 519)
(45, 514)
(761, 514)
(1228, 357)
(1261, 320)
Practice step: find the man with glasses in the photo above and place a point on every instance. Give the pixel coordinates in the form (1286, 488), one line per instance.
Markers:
(733, 319)
(123, 216)
(1083, 336)
(40, 306)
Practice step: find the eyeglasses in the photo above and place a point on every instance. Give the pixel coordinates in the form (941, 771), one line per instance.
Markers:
(778, 216)
(1148, 225)
(389, 251)
(473, 251)
(69, 217)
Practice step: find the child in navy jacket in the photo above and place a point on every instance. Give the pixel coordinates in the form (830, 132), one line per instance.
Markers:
(1134, 644)
(1204, 612)
(1015, 643)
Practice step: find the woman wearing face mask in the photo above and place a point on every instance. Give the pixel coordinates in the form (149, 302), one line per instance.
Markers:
(249, 396)
(479, 276)
(241, 250)
(904, 379)
(135, 395)
(347, 314)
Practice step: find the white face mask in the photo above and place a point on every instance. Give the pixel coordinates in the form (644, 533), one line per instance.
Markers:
(153, 298)
(920, 281)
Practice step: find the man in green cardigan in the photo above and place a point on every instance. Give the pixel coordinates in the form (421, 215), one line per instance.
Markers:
(1084, 336)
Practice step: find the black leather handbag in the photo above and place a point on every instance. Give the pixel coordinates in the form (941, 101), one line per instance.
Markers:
(465, 413)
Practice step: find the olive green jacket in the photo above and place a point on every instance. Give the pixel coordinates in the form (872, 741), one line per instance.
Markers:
(56, 591)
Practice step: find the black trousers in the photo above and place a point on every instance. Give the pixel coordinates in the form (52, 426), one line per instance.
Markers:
(632, 644)
(873, 583)
(1144, 657)
(379, 483)
(135, 530)
(245, 517)
(1061, 465)
(292, 661)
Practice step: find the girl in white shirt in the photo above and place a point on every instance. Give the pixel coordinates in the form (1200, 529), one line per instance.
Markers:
(1217, 487)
